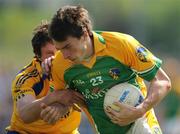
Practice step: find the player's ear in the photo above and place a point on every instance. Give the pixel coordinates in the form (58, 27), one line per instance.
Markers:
(38, 57)
(85, 34)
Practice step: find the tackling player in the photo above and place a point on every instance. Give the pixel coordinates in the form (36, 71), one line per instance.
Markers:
(34, 110)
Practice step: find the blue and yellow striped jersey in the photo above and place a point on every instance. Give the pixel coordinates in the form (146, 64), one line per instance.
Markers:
(31, 80)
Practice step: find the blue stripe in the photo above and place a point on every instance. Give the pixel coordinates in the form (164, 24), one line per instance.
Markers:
(44, 76)
(38, 87)
(12, 132)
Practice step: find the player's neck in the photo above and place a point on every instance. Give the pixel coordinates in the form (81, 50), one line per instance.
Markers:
(90, 49)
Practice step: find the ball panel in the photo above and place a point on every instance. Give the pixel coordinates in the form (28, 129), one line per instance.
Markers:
(125, 93)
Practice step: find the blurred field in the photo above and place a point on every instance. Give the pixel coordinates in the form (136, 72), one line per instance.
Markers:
(156, 24)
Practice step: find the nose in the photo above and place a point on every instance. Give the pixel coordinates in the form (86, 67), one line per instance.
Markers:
(66, 54)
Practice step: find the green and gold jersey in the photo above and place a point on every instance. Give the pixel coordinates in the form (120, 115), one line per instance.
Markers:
(31, 80)
(118, 58)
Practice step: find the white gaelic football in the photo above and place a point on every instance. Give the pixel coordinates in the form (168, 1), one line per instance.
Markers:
(125, 93)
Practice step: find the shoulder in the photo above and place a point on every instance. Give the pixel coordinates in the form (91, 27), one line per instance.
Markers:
(59, 63)
(114, 35)
(117, 40)
(26, 76)
(119, 45)
(59, 66)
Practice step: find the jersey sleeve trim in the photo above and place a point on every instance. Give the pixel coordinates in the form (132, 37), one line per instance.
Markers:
(150, 73)
(19, 93)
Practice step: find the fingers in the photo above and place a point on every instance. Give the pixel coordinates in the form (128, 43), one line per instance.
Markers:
(125, 116)
(54, 116)
(50, 115)
(44, 112)
(115, 117)
(49, 61)
(46, 65)
(43, 106)
(62, 109)
(111, 113)
(120, 105)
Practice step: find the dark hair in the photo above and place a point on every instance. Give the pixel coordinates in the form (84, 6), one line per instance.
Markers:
(40, 38)
(69, 21)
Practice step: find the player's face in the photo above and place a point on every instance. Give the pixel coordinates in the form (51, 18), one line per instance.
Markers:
(74, 49)
(47, 51)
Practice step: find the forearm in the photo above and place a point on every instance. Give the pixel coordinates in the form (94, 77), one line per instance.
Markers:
(158, 89)
(30, 111)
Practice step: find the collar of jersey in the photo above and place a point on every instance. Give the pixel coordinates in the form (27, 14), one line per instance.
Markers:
(37, 64)
(98, 46)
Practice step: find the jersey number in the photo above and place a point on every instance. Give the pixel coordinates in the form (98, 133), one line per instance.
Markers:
(96, 81)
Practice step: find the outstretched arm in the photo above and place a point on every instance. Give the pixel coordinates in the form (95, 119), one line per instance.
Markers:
(29, 108)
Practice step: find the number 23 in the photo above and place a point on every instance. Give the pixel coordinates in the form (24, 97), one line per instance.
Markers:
(96, 81)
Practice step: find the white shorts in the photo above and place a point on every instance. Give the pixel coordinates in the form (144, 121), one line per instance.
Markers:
(146, 125)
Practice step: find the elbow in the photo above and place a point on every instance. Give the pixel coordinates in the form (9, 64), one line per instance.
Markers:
(168, 85)
(25, 118)
(165, 80)
(26, 121)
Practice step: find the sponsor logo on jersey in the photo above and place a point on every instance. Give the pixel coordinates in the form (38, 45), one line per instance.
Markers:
(94, 94)
(93, 74)
(114, 73)
(95, 90)
(78, 82)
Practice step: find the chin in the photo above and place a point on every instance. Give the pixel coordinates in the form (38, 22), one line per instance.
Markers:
(77, 61)
(74, 60)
